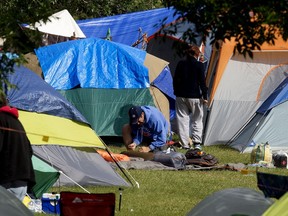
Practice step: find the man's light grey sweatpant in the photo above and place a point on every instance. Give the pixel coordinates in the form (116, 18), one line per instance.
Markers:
(189, 114)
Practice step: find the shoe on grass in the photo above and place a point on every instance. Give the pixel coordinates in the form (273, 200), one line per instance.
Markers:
(198, 146)
(185, 147)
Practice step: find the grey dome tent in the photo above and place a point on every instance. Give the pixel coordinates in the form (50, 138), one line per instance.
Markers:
(11, 205)
(269, 123)
(232, 201)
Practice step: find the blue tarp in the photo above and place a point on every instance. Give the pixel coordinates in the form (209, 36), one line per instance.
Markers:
(33, 94)
(93, 63)
(279, 95)
(128, 28)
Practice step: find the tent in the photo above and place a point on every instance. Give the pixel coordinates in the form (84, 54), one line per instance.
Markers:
(134, 29)
(102, 79)
(268, 123)
(34, 95)
(278, 208)
(11, 205)
(45, 176)
(128, 28)
(79, 167)
(232, 201)
(60, 26)
(153, 35)
(239, 86)
(165, 43)
(50, 120)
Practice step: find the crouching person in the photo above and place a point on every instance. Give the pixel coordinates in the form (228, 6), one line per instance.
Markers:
(147, 127)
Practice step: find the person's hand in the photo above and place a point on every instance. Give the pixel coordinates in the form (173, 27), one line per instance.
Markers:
(132, 146)
(205, 102)
(144, 149)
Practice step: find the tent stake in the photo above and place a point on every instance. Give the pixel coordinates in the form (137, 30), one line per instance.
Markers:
(120, 198)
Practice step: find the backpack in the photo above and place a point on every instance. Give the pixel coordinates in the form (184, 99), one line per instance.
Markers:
(280, 159)
(171, 158)
(200, 158)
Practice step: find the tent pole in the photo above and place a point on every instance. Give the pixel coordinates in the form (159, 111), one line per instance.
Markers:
(240, 130)
(73, 181)
(121, 167)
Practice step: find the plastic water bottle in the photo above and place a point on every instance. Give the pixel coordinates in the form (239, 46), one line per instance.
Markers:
(31, 206)
(38, 205)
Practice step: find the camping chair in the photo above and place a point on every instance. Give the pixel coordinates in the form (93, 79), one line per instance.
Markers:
(83, 204)
(272, 185)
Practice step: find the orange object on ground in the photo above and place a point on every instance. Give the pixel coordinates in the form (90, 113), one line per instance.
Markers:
(117, 157)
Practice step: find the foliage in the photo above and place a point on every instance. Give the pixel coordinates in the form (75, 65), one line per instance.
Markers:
(16, 41)
(15, 13)
(7, 62)
(82, 9)
(250, 23)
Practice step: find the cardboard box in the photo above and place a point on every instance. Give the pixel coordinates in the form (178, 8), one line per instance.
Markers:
(51, 203)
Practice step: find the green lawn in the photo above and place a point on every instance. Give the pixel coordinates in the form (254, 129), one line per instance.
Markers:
(176, 192)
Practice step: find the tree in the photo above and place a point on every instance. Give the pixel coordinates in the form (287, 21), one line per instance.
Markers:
(16, 42)
(15, 13)
(250, 23)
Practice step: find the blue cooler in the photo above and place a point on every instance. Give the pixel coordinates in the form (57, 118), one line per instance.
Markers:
(51, 203)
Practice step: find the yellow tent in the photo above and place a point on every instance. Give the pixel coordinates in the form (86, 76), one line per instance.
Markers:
(43, 129)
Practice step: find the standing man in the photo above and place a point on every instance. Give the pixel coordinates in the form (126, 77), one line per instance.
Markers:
(147, 126)
(16, 169)
(191, 93)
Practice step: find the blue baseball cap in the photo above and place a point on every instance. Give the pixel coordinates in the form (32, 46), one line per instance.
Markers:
(134, 114)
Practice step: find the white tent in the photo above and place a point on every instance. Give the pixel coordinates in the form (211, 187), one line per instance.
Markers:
(60, 24)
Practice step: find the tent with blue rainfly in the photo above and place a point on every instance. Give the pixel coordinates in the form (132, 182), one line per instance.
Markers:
(156, 35)
(51, 122)
(269, 123)
(102, 79)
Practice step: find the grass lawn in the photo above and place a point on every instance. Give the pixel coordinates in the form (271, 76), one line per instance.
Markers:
(177, 192)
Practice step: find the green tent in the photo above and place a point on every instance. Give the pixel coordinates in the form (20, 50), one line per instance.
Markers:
(45, 176)
(108, 106)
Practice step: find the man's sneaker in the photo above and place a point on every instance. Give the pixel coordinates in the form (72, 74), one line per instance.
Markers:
(185, 147)
(198, 147)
